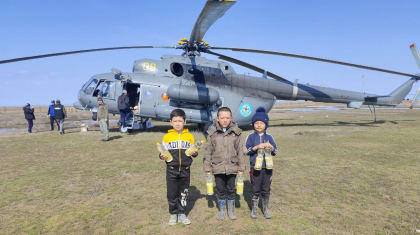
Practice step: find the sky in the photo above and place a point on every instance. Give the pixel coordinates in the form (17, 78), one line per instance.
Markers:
(375, 33)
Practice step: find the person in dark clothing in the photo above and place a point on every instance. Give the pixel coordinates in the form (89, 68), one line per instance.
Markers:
(29, 116)
(124, 107)
(52, 115)
(60, 115)
(260, 179)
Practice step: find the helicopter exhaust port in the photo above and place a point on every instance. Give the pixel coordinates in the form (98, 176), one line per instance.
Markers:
(193, 94)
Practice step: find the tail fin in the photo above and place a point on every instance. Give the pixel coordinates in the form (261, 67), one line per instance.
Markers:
(401, 92)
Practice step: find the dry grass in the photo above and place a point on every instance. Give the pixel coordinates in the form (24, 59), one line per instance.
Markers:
(341, 174)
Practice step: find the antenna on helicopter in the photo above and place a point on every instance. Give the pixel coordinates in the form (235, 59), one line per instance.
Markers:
(116, 71)
(122, 77)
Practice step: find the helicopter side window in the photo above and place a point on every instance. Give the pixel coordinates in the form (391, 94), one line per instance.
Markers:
(91, 87)
(108, 89)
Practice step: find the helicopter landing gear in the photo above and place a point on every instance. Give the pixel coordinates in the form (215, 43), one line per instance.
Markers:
(373, 112)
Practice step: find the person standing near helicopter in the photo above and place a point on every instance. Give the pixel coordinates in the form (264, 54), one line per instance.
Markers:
(103, 119)
(29, 116)
(60, 115)
(124, 107)
(51, 114)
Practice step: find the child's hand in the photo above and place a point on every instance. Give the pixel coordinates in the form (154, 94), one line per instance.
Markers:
(260, 146)
(194, 153)
(268, 145)
(163, 157)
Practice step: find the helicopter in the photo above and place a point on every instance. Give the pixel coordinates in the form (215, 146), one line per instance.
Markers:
(200, 86)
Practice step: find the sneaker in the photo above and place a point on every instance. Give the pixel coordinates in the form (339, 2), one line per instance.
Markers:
(173, 219)
(182, 218)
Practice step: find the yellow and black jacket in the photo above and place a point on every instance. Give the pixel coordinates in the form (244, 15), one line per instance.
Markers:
(177, 144)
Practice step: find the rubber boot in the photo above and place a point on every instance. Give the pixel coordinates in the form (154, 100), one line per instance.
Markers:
(266, 212)
(254, 212)
(231, 205)
(222, 206)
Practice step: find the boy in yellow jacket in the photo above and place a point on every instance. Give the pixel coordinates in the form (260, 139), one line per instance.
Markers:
(178, 140)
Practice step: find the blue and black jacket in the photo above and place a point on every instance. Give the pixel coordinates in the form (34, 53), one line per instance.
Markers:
(51, 111)
(255, 139)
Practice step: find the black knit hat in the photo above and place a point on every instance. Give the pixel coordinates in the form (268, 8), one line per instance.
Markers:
(260, 115)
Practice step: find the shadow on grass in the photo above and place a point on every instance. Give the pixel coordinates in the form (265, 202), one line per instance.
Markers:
(336, 123)
(193, 195)
(247, 194)
(115, 137)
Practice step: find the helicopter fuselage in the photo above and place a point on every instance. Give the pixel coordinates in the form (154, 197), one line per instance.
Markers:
(200, 87)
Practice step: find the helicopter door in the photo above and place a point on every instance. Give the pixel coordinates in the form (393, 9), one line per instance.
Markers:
(148, 100)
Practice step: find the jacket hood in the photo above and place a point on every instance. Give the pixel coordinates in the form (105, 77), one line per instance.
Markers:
(232, 128)
(172, 131)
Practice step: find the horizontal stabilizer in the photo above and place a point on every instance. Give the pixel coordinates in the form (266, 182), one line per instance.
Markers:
(375, 97)
(416, 55)
(415, 99)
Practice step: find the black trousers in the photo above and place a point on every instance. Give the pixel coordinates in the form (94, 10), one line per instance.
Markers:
(177, 184)
(52, 121)
(225, 186)
(261, 183)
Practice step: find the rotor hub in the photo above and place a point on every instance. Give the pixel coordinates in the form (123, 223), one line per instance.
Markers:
(192, 49)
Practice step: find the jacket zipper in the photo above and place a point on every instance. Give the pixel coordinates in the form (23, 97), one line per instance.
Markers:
(179, 147)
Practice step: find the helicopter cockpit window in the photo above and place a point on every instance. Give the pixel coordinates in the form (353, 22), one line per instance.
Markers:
(177, 69)
(98, 89)
(91, 87)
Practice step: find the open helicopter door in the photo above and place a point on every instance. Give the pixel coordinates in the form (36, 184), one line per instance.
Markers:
(148, 100)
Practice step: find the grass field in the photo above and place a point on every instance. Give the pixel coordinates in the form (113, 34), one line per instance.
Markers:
(337, 172)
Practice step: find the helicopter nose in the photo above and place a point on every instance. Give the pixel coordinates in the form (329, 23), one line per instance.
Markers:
(79, 105)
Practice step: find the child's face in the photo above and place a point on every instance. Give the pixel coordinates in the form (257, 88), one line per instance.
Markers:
(178, 124)
(259, 126)
(224, 118)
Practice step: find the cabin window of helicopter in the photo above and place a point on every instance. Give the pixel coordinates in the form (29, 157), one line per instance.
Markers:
(91, 87)
(105, 89)
(226, 67)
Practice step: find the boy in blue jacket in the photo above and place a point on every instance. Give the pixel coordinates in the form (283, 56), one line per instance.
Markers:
(260, 180)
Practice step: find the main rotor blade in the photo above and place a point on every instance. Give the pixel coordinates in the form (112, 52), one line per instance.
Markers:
(213, 10)
(246, 65)
(315, 58)
(77, 52)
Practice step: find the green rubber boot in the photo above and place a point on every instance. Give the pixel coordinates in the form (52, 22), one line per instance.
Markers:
(254, 212)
